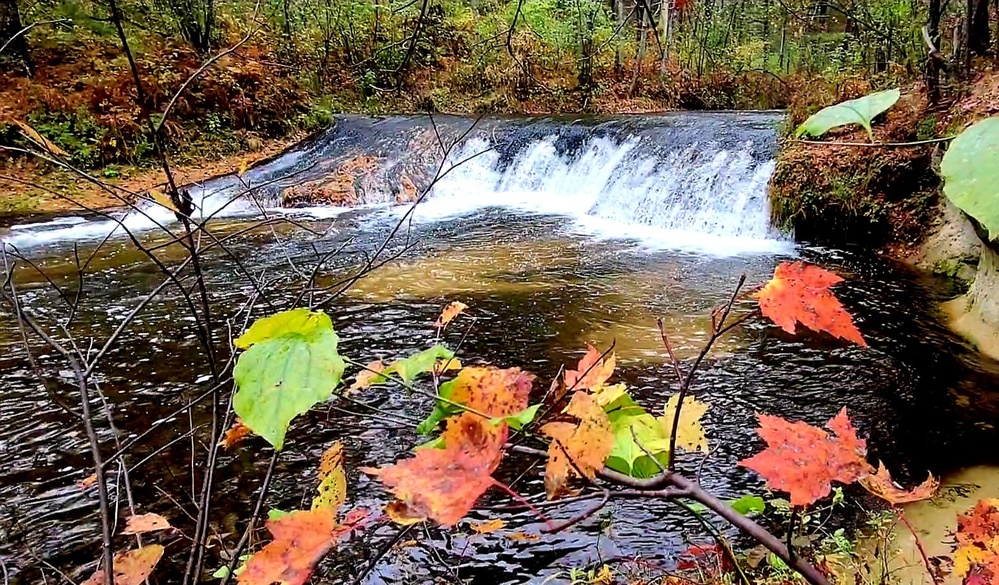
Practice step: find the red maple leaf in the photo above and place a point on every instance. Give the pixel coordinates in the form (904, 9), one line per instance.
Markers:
(799, 293)
(443, 484)
(301, 539)
(804, 460)
(493, 391)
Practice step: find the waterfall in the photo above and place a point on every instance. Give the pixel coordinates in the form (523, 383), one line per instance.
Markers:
(696, 181)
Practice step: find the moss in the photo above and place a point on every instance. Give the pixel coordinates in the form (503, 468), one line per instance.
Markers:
(871, 196)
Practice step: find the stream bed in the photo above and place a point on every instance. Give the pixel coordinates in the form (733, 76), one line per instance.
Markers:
(560, 233)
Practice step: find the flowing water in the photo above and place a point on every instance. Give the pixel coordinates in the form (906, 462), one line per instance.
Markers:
(558, 233)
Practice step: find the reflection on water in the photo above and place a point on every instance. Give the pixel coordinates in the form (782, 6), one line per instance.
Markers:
(538, 292)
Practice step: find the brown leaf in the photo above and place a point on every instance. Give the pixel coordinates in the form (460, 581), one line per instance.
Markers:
(449, 313)
(591, 372)
(577, 448)
(799, 293)
(142, 523)
(881, 485)
(132, 567)
(87, 481)
(443, 484)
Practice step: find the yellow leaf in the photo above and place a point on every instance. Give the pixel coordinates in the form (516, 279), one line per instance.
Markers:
(400, 513)
(605, 395)
(132, 567)
(577, 448)
(332, 480)
(689, 433)
(243, 166)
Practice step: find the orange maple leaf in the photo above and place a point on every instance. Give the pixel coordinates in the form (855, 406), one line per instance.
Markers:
(493, 391)
(804, 460)
(977, 555)
(881, 485)
(235, 435)
(577, 448)
(141, 523)
(132, 567)
(799, 293)
(366, 376)
(443, 484)
(591, 372)
(449, 313)
(301, 539)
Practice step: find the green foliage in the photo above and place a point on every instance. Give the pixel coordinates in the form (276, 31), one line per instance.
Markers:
(78, 133)
(860, 111)
(971, 173)
(747, 505)
(421, 362)
(291, 364)
(636, 434)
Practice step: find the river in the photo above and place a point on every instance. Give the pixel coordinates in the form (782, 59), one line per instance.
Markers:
(557, 232)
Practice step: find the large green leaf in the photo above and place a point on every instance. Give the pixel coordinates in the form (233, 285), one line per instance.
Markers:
(859, 111)
(283, 377)
(294, 321)
(971, 173)
(637, 432)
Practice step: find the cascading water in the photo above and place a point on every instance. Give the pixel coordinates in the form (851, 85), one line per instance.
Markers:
(689, 181)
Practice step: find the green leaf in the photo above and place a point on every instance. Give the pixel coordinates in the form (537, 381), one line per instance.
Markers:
(859, 111)
(283, 377)
(441, 411)
(419, 363)
(523, 418)
(301, 321)
(971, 173)
(749, 505)
(274, 514)
(628, 455)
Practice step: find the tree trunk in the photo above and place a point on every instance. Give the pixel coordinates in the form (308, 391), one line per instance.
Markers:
(10, 25)
(618, 58)
(642, 20)
(932, 64)
(978, 32)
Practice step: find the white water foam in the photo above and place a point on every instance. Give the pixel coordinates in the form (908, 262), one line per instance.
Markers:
(707, 200)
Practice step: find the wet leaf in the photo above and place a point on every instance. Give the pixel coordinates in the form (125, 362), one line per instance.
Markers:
(449, 313)
(400, 513)
(881, 485)
(87, 481)
(488, 526)
(487, 390)
(301, 539)
(799, 293)
(142, 523)
(583, 446)
(301, 321)
(332, 480)
(971, 173)
(132, 567)
(977, 553)
(444, 484)
(689, 433)
(371, 374)
(281, 377)
(235, 434)
(803, 460)
(860, 111)
(591, 372)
